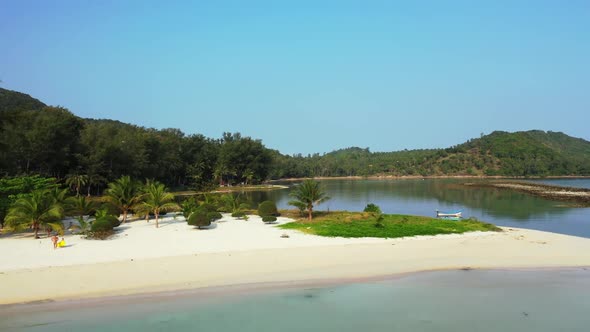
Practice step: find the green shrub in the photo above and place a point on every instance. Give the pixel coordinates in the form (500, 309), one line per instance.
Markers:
(101, 225)
(269, 218)
(115, 222)
(199, 218)
(268, 208)
(372, 208)
(214, 216)
(209, 207)
(238, 214)
(101, 229)
(188, 206)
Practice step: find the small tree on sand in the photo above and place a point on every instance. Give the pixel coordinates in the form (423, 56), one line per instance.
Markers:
(39, 209)
(308, 194)
(157, 199)
(124, 194)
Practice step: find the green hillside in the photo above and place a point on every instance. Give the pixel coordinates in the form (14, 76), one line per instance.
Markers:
(51, 141)
(16, 101)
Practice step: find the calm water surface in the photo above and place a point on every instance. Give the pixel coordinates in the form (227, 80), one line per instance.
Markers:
(574, 183)
(424, 197)
(457, 301)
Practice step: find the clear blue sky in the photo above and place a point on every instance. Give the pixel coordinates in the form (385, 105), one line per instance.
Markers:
(308, 76)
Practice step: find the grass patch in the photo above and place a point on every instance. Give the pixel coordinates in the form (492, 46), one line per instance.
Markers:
(359, 224)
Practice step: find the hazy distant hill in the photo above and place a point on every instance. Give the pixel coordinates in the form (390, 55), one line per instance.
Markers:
(109, 148)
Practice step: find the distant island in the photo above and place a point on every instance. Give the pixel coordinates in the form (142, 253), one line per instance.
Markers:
(53, 142)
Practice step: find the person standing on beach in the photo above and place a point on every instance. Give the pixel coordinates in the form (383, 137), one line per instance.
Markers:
(54, 240)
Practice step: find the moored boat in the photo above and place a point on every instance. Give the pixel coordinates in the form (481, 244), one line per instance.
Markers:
(448, 215)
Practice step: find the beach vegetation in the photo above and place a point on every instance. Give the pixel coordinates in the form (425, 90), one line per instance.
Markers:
(103, 225)
(232, 203)
(124, 194)
(104, 214)
(80, 206)
(188, 206)
(199, 218)
(35, 211)
(308, 194)
(210, 207)
(269, 219)
(14, 188)
(214, 215)
(362, 224)
(156, 199)
(372, 208)
(238, 214)
(268, 208)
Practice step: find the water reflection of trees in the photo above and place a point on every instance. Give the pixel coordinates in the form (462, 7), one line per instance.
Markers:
(497, 203)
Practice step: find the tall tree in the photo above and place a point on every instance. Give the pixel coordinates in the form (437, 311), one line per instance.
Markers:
(76, 181)
(157, 199)
(124, 194)
(308, 194)
(38, 209)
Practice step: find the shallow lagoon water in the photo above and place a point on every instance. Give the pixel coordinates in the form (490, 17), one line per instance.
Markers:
(424, 197)
(472, 300)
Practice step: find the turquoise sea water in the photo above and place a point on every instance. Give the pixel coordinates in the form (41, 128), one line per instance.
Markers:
(473, 300)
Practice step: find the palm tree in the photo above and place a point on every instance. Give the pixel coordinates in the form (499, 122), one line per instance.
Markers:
(80, 207)
(157, 199)
(308, 193)
(124, 194)
(77, 181)
(33, 211)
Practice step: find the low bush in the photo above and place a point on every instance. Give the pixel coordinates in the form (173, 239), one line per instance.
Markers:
(214, 216)
(269, 218)
(188, 206)
(101, 229)
(372, 208)
(238, 214)
(199, 218)
(268, 208)
(209, 207)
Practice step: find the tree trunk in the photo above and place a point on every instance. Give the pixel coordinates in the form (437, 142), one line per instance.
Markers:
(157, 213)
(36, 229)
(309, 212)
(124, 216)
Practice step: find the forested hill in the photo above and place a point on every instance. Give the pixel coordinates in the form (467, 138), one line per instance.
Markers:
(530, 153)
(51, 141)
(12, 100)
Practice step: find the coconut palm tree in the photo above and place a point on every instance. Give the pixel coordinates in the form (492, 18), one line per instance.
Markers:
(124, 194)
(80, 206)
(76, 181)
(308, 193)
(38, 209)
(157, 199)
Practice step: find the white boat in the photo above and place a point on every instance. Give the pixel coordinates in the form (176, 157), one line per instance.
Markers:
(441, 214)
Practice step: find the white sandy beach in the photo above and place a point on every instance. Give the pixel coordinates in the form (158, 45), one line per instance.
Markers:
(141, 258)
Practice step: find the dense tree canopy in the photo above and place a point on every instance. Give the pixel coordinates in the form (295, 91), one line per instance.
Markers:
(53, 142)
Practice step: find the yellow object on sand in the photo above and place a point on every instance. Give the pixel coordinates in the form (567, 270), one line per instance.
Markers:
(61, 243)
